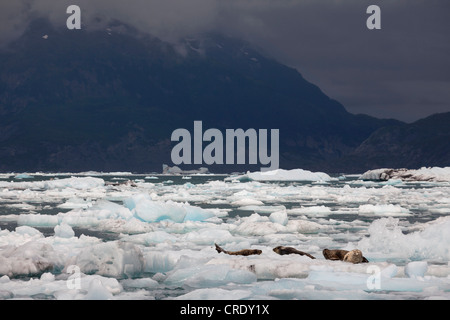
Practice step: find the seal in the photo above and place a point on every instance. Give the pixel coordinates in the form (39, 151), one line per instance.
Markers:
(354, 256)
(281, 250)
(244, 252)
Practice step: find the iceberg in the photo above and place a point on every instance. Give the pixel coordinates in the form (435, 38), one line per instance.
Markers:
(79, 183)
(156, 240)
(383, 210)
(64, 231)
(146, 209)
(177, 171)
(28, 259)
(386, 237)
(313, 210)
(112, 259)
(434, 174)
(209, 276)
(279, 217)
(416, 269)
(23, 176)
(97, 291)
(282, 175)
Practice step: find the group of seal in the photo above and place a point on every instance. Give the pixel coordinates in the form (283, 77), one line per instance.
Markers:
(353, 256)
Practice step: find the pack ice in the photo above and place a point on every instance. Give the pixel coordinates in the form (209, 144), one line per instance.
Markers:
(129, 236)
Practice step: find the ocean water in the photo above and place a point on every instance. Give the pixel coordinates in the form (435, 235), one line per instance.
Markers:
(151, 236)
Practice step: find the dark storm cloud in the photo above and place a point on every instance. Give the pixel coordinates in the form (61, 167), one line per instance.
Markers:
(400, 71)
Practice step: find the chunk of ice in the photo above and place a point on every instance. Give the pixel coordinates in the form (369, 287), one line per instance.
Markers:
(146, 209)
(279, 217)
(284, 175)
(63, 230)
(416, 269)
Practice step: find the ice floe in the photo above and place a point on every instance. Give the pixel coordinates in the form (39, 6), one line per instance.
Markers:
(124, 236)
(284, 175)
(422, 174)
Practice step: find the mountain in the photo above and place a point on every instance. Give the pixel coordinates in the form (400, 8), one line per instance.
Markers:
(109, 100)
(425, 142)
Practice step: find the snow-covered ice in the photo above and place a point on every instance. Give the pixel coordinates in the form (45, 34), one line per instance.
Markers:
(422, 174)
(284, 175)
(125, 236)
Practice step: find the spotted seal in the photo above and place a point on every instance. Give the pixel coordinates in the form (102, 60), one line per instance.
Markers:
(244, 252)
(354, 256)
(281, 250)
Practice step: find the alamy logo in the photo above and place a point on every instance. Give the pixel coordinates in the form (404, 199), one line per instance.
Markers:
(234, 147)
(74, 21)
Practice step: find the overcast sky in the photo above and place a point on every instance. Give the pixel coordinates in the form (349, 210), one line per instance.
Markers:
(401, 71)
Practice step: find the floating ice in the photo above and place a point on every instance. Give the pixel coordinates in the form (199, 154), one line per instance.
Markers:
(209, 236)
(26, 230)
(23, 176)
(111, 259)
(37, 220)
(262, 209)
(75, 203)
(64, 231)
(215, 294)
(97, 291)
(314, 210)
(383, 210)
(279, 217)
(145, 209)
(209, 276)
(422, 174)
(177, 171)
(247, 202)
(79, 183)
(147, 283)
(27, 259)
(156, 240)
(149, 238)
(284, 175)
(257, 225)
(386, 237)
(416, 269)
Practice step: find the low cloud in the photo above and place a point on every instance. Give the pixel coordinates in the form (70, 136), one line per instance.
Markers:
(326, 40)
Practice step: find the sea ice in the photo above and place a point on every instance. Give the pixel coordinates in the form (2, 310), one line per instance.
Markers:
(247, 202)
(156, 240)
(63, 230)
(23, 176)
(215, 294)
(97, 291)
(209, 276)
(383, 210)
(416, 269)
(279, 217)
(112, 259)
(284, 175)
(146, 209)
(147, 283)
(314, 211)
(422, 174)
(386, 236)
(27, 259)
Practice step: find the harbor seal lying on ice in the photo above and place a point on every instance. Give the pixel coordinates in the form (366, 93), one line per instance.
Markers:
(354, 256)
(244, 252)
(289, 250)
